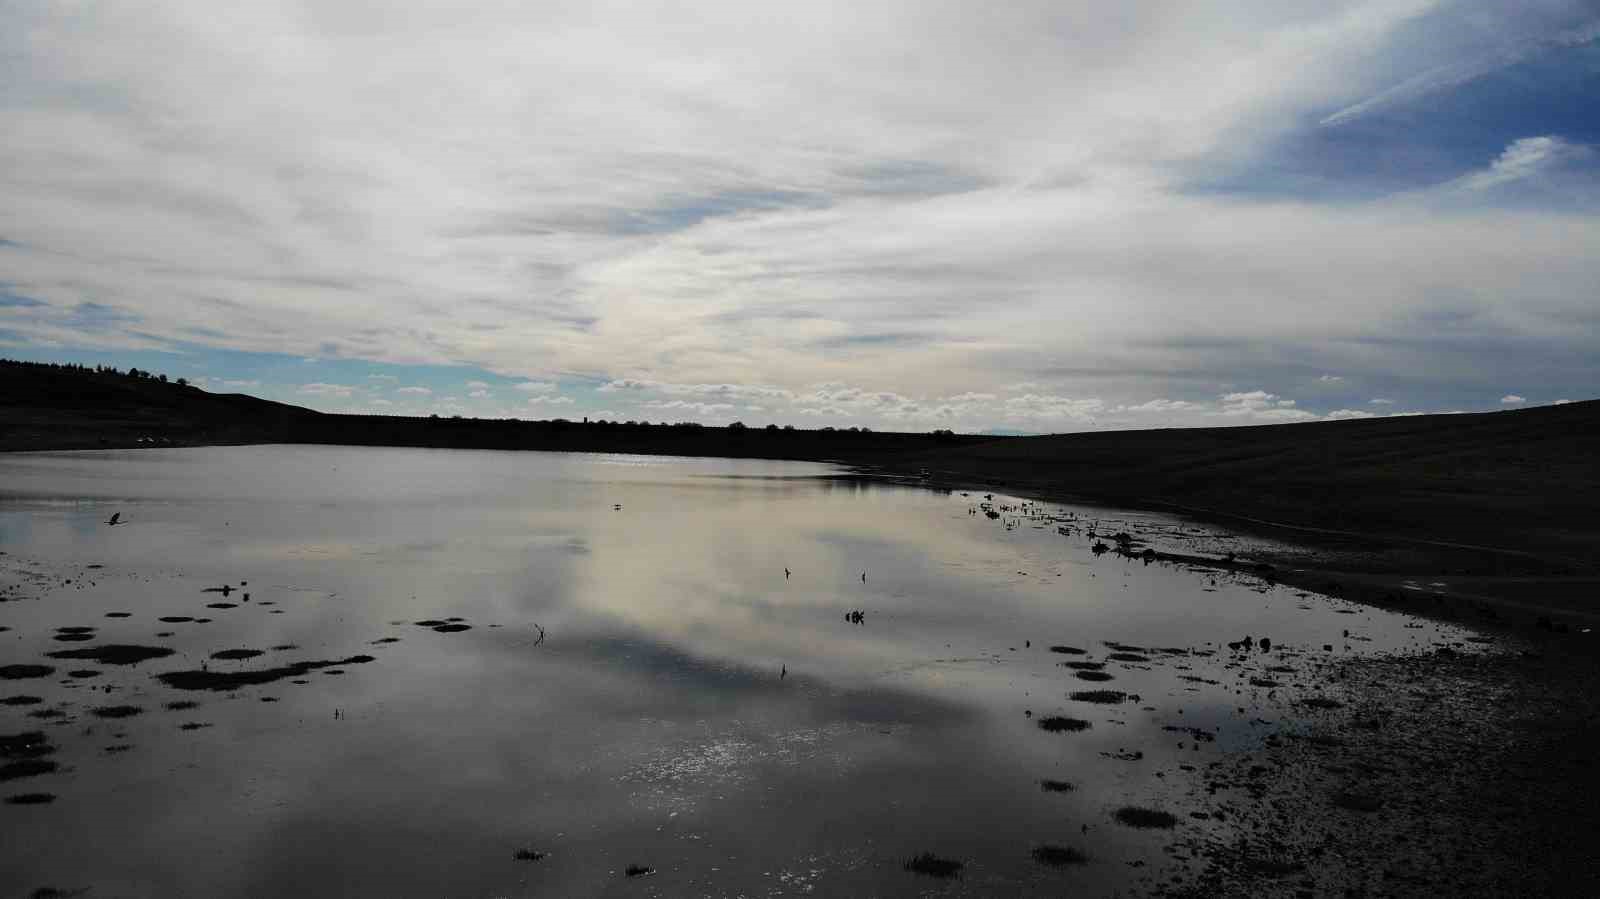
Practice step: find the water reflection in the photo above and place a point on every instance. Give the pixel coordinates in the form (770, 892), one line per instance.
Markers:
(613, 668)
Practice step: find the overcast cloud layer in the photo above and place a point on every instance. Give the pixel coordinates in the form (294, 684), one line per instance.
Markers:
(1023, 216)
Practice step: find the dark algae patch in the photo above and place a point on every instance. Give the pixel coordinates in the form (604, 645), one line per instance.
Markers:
(452, 628)
(117, 711)
(1059, 856)
(1084, 666)
(1127, 657)
(1061, 724)
(933, 866)
(639, 870)
(182, 705)
(232, 680)
(528, 855)
(21, 700)
(1067, 650)
(24, 672)
(1095, 676)
(1055, 786)
(1145, 818)
(113, 653)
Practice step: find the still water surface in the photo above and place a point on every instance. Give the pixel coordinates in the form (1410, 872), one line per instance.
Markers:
(637, 681)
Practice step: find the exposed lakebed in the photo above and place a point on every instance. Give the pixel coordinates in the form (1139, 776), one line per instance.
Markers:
(530, 674)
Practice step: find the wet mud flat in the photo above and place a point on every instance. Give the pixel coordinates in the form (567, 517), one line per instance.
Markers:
(1439, 773)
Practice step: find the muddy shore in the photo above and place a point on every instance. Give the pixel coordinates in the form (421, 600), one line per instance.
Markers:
(1461, 772)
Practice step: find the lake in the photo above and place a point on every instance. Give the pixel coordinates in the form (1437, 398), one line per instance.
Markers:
(432, 659)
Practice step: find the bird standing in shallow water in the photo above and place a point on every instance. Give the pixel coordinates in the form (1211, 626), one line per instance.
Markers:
(784, 673)
(863, 577)
(786, 572)
(116, 518)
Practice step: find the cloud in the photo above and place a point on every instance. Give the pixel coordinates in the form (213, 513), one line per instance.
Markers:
(1512, 399)
(1381, 401)
(479, 394)
(1348, 414)
(918, 205)
(1524, 158)
(689, 406)
(1263, 406)
(382, 378)
(415, 391)
(341, 391)
(550, 400)
(1331, 379)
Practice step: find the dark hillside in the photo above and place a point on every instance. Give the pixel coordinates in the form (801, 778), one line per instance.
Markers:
(1527, 479)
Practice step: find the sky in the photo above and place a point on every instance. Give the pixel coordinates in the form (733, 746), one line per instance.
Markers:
(1015, 218)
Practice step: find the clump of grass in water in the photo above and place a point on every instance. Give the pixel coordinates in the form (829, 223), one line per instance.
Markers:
(1322, 702)
(1127, 657)
(528, 855)
(1096, 676)
(934, 866)
(1061, 724)
(1067, 650)
(1055, 786)
(1134, 816)
(1059, 856)
(117, 711)
(1108, 697)
(639, 870)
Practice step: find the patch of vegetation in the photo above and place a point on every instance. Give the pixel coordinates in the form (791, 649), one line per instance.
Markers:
(113, 654)
(1059, 856)
(1095, 676)
(233, 654)
(933, 866)
(1321, 702)
(1106, 697)
(528, 855)
(24, 672)
(1056, 786)
(639, 870)
(1127, 657)
(232, 680)
(1061, 724)
(1134, 816)
(1067, 650)
(26, 768)
(31, 799)
(117, 711)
